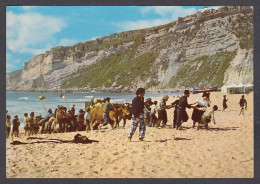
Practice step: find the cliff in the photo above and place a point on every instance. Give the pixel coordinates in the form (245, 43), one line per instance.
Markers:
(210, 48)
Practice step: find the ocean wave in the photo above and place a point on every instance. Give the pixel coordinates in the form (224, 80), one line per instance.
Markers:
(89, 96)
(28, 98)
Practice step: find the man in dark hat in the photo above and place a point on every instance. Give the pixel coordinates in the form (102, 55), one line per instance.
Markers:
(182, 115)
(138, 115)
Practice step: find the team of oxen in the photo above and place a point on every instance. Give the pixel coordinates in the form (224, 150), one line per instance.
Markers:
(120, 112)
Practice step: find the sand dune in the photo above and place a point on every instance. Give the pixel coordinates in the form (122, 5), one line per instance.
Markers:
(224, 151)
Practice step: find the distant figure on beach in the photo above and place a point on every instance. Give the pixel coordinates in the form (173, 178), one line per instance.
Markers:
(73, 109)
(243, 104)
(60, 117)
(87, 118)
(26, 124)
(80, 120)
(45, 123)
(224, 102)
(175, 104)
(138, 115)
(31, 124)
(8, 125)
(162, 114)
(153, 118)
(201, 105)
(207, 116)
(147, 110)
(107, 108)
(182, 115)
(16, 124)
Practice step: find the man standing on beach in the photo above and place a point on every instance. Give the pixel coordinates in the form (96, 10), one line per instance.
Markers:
(138, 115)
(182, 115)
(242, 103)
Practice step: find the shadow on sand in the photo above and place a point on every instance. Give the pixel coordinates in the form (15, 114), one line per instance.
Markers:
(223, 129)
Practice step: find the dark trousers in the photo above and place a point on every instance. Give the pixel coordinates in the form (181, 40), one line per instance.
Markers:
(162, 116)
(179, 116)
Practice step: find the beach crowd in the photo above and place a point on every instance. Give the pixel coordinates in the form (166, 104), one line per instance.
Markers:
(143, 112)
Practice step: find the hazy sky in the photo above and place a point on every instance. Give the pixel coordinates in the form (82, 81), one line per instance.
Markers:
(33, 30)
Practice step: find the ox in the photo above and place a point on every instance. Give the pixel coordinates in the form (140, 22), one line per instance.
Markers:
(96, 116)
(124, 112)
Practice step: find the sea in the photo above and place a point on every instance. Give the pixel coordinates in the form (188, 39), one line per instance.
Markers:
(18, 103)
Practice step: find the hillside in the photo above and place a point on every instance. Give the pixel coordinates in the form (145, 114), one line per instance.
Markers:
(209, 48)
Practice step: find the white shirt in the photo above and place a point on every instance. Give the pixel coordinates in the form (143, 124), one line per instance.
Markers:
(204, 103)
(153, 108)
(209, 113)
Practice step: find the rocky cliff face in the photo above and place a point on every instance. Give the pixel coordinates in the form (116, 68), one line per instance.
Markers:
(209, 48)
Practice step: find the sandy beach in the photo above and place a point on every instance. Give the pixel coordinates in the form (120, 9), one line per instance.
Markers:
(226, 150)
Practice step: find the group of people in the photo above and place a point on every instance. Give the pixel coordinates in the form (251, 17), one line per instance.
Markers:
(144, 112)
(62, 120)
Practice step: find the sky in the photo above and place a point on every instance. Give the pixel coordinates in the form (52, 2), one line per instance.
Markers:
(33, 30)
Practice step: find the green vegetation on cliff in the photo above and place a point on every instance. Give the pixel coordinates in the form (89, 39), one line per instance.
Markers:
(203, 71)
(122, 67)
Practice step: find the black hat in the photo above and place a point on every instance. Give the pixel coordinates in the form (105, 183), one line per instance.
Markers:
(187, 92)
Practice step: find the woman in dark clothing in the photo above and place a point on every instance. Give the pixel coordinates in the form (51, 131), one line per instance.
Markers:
(201, 105)
(182, 115)
(224, 102)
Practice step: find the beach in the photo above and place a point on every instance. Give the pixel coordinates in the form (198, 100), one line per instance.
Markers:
(226, 150)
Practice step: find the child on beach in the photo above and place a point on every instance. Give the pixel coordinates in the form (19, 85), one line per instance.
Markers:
(242, 103)
(8, 125)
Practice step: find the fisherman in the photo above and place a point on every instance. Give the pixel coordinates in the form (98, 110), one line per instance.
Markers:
(243, 103)
(60, 116)
(46, 119)
(8, 125)
(147, 110)
(162, 114)
(73, 109)
(175, 104)
(107, 108)
(207, 116)
(81, 120)
(16, 124)
(87, 118)
(182, 115)
(31, 124)
(138, 115)
(26, 123)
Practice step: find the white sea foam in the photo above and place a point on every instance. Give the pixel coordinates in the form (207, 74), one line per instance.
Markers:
(89, 96)
(23, 98)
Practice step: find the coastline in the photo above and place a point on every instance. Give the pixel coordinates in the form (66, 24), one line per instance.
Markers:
(224, 151)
